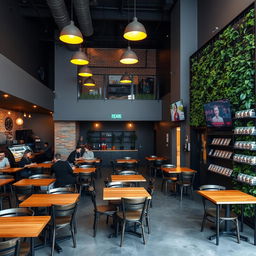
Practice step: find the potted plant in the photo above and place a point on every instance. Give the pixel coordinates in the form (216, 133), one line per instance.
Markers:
(133, 138)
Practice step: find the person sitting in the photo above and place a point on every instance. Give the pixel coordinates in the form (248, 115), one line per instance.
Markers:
(47, 152)
(26, 162)
(88, 154)
(75, 155)
(4, 161)
(63, 172)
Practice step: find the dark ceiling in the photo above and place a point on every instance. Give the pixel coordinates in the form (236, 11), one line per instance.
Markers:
(109, 18)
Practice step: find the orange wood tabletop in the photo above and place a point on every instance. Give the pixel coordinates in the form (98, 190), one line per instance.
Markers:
(22, 226)
(128, 178)
(84, 170)
(95, 160)
(120, 161)
(177, 170)
(118, 193)
(43, 165)
(34, 182)
(155, 158)
(47, 200)
(228, 197)
(5, 181)
(10, 170)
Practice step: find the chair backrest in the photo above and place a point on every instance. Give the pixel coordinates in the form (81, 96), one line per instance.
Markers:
(23, 190)
(187, 177)
(152, 156)
(135, 204)
(12, 212)
(86, 166)
(10, 247)
(127, 172)
(168, 166)
(64, 210)
(212, 187)
(158, 163)
(82, 176)
(3, 176)
(127, 158)
(62, 190)
(130, 166)
(40, 176)
(116, 184)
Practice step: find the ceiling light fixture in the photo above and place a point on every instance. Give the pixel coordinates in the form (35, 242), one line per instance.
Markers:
(19, 121)
(80, 58)
(125, 79)
(89, 82)
(129, 57)
(34, 106)
(85, 71)
(135, 31)
(5, 95)
(71, 34)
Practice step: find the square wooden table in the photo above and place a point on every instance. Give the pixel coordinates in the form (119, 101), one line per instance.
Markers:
(84, 170)
(228, 197)
(155, 158)
(23, 226)
(131, 192)
(10, 170)
(122, 161)
(5, 181)
(47, 200)
(178, 170)
(43, 165)
(128, 178)
(34, 182)
(90, 161)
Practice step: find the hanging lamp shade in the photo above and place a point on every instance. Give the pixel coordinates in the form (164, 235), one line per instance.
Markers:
(70, 34)
(125, 79)
(19, 121)
(85, 71)
(79, 58)
(89, 82)
(129, 57)
(135, 31)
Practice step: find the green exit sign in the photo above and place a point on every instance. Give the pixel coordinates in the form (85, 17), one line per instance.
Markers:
(116, 116)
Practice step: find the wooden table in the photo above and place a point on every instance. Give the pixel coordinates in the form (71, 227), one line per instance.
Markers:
(178, 170)
(131, 192)
(155, 158)
(84, 170)
(11, 170)
(228, 197)
(122, 161)
(5, 181)
(23, 226)
(128, 178)
(43, 165)
(34, 182)
(47, 200)
(91, 161)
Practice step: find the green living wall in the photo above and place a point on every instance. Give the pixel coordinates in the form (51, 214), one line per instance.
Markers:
(224, 68)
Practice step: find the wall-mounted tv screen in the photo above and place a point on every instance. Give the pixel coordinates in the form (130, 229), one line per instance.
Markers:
(218, 114)
(177, 111)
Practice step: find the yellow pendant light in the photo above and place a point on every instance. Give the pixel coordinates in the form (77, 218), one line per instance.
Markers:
(129, 57)
(135, 31)
(85, 71)
(89, 82)
(70, 34)
(80, 58)
(125, 79)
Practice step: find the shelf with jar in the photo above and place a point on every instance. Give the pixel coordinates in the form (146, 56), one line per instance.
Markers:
(220, 170)
(245, 178)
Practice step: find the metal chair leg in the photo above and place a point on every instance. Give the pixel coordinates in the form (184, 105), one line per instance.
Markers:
(122, 235)
(143, 233)
(237, 231)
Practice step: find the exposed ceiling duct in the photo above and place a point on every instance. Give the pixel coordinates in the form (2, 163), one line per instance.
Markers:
(82, 9)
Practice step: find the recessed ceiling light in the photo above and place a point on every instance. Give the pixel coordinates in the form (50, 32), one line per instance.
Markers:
(5, 95)
(9, 112)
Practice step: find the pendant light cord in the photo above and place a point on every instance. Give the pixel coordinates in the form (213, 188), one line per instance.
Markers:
(134, 8)
(71, 9)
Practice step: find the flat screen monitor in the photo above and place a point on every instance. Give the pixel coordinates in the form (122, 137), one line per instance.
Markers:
(218, 114)
(177, 111)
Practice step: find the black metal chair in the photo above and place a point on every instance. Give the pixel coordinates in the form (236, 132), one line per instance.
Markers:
(10, 247)
(98, 166)
(62, 190)
(63, 216)
(116, 167)
(133, 211)
(13, 212)
(156, 167)
(150, 190)
(40, 176)
(22, 193)
(168, 178)
(186, 181)
(127, 172)
(4, 195)
(130, 166)
(107, 210)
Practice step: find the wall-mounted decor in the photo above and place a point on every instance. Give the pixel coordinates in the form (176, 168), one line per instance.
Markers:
(8, 123)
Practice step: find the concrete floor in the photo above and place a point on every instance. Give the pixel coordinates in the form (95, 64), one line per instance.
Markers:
(175, 230)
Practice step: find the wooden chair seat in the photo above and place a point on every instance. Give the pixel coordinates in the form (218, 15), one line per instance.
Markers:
(106, 208)
(130, 215)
